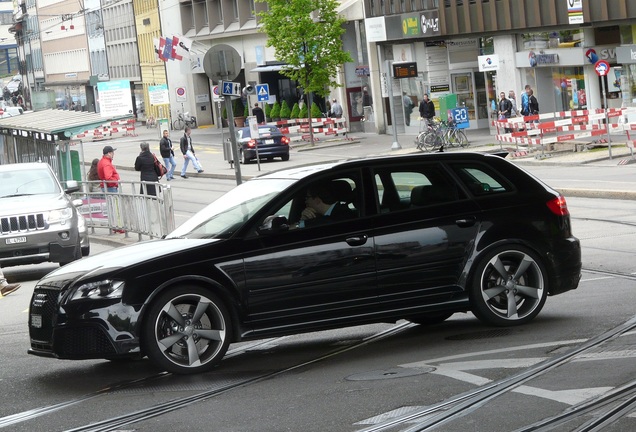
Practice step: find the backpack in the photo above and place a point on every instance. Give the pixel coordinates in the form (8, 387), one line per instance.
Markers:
(160, 168)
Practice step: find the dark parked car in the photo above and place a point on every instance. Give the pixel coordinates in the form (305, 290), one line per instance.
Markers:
(416, 237)
(270, 143)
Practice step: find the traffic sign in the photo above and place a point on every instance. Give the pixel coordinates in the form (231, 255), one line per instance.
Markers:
(460, 117)
(262, 91)
(602, 68)
(229, 88)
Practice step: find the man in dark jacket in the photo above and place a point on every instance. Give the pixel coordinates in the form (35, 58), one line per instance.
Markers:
(145, 163)
(504, 109)
(427, 109)
(323, 207)
(260, 115)
(165, 148)
(188, 153)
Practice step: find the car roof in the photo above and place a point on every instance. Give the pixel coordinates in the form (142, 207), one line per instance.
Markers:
(303, 171)
(23, 166)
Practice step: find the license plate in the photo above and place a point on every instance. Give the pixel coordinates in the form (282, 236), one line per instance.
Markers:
(36, 321)
(15, 240)
(269, 141)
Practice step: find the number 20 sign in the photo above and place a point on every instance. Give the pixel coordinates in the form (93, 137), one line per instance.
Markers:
(460, 117)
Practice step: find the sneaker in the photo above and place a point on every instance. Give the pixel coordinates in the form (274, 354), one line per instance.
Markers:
(200, 171)
(183, 176)
(8, 289)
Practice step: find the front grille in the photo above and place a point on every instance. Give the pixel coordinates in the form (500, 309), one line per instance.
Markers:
(44, 303)
(83, 342)
(22, 223)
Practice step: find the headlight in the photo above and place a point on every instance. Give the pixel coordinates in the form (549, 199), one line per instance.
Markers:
(102, 289)
(61, 215)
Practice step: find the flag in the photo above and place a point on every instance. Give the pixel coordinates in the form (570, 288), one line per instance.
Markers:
(184, 46)
(175, 44)
(162, 45)
(167, 50)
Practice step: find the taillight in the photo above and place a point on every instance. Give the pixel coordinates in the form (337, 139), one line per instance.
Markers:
(285, 140)
(558, 206)
(251, 143)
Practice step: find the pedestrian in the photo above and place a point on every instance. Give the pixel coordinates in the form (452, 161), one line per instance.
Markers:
(525, 109)
(145, 164)
(504, 108)
(427, 109)
(107, 172)
(514, 112)
(258, 112)
(188, 153)
(93, 177)
(336, 109)
(167, 153)
(5, 287)
(533, 103)
(408, 108)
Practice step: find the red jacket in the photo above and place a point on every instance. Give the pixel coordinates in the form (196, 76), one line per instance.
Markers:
(106, 171)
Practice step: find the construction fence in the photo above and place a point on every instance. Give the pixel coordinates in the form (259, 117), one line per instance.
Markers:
(543, 133)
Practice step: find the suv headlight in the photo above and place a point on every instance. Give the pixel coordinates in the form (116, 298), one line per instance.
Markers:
(60, 216)
(101, 289)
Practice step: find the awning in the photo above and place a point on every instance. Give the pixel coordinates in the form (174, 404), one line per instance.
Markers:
(272, 68)
(61, 122)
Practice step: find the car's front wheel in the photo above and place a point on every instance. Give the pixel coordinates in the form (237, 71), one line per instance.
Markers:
(187, 330)
(509, 286)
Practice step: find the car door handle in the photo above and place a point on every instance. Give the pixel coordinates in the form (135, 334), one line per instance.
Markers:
(467, 222)
(357, 241)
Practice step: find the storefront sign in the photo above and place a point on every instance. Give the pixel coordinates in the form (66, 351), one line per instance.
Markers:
(429, 22)
(362, 70)
(626, 54)
(410, 25)
(535, 59)
(375, 29)
(488, 63)
(575, 11)
(439, 88)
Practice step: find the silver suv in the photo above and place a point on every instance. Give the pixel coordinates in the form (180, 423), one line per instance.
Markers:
(38, 220)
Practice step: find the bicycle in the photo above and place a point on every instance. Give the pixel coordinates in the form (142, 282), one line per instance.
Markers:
(427, 126)
(440, 134)
(183, 120)
(455, 137)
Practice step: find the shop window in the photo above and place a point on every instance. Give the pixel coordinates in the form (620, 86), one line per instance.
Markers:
(569, 88)
(607, 35)
(553, 39)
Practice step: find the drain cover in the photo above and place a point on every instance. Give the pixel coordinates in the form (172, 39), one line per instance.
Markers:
(389, 374)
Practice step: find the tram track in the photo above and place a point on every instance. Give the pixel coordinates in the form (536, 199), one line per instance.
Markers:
(162, 408)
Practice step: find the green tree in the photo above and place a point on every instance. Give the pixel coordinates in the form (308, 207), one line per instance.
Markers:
(275, 112)
(306, 35)
(285, 112)
(268, 112)
(295, 111)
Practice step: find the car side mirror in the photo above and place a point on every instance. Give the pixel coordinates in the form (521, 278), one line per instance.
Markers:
(71, 186)
(274, 224)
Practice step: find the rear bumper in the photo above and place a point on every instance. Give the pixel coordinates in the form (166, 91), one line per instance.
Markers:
(567, 265)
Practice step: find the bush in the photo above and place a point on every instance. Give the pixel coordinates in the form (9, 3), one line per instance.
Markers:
(295, 111)
(285, 112)
(237, 107)
(303, 112)
(268, 112)
(315, 111)
(275, 113)
(246, 111)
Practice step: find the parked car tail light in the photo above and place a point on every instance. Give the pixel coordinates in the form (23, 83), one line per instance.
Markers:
(251, 143)
(558, 206)
(285, 140)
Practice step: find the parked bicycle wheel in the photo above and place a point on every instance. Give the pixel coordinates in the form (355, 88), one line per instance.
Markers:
(462, 139)
(178, 124)
(432, 141)
(419, 141)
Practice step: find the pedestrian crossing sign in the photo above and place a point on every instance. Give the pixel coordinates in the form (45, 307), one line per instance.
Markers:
(262, 91)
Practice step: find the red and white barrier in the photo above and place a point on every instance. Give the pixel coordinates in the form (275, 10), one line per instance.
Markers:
(298, 129)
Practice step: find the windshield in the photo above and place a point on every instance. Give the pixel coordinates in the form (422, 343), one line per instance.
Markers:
(227, 214)
(27, 182)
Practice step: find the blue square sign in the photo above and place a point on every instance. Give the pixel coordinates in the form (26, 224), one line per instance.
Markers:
(262, 91)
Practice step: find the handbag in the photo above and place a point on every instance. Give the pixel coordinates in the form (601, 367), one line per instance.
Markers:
(160, 169)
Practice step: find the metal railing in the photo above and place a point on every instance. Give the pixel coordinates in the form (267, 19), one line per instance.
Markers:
(128, 209)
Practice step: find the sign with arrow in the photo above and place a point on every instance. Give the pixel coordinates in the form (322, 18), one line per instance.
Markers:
(262, 91)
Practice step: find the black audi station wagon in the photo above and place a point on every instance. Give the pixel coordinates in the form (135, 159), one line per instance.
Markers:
(416, 237)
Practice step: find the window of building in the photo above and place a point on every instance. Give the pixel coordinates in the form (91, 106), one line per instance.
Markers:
(553, 39)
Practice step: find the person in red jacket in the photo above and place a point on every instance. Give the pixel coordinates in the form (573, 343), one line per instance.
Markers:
(107, 172)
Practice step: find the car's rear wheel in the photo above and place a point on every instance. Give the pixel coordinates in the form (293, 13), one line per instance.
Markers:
(244, 159)
(187, 330)
(285, 158)
(509, 286)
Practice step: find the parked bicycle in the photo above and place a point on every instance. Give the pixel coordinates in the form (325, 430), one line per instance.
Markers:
(438, 134)
(183, 120)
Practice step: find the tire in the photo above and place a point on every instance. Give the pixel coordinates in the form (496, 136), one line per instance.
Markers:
(178, 124)
(432, 141)
(431, 318)
(509, 286)
(244, 159)
(86, 251)
(285, 158)
(462, 139)
(420, 143)
(186, 330)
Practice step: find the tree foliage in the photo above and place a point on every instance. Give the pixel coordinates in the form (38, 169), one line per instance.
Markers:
(295, 111)
(306, 35)
(285, 111)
